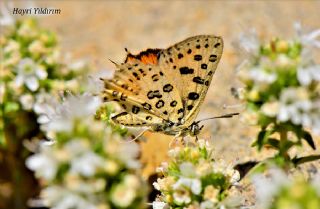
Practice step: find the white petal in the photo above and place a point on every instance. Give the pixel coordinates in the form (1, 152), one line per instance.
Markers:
(41, 73)
(196, 186)
(43, 119)
(304, 76)
(32, 83)
(19, 80)
(159, 205)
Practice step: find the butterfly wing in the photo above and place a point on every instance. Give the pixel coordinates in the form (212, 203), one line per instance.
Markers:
(191, 64)
(143, 91)
(164, 85)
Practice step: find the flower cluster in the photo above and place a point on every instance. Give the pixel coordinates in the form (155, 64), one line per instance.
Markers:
(192, 179)
(282, 87)
(31, 66)
(88, 165)
(277, 191)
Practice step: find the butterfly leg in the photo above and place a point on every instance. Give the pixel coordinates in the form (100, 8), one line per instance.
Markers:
(175, 140)
(139, 135)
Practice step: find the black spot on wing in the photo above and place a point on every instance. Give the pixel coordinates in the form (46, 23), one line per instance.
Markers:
(135, 109)
(186, 70)
(197, 57)
(167, 88)
(204, 66)
(146, 106)
(190, 107)
(198, 80)
(154, 94)
(160, 104)
(217, 45)
(213, 58)
(173, 103)
(193, 96)
(155, 77)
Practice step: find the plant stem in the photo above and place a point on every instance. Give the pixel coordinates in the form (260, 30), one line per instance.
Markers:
(283, 144)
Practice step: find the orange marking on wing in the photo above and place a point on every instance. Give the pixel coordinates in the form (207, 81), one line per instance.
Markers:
(150, 59)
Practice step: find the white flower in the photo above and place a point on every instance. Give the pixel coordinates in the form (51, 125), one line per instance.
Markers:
(73, 107)
(182, 196)
(296, 106)
(193, 184)
(29, 73)
(187, 169)
(308, 74)
(44, 164)
(162, 168)
(207, 205)
(6, 18)
(266, 188)
(59, 198)
(45, 107)
(309, 39)
(94, 83)
(260, 76)
(86, 164)
(123, 195)
(27, 101)
(270, 109)
(249, 42)
(159, 205)
(128, 153)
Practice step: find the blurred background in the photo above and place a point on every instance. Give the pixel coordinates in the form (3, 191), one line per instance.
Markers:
(96, 31)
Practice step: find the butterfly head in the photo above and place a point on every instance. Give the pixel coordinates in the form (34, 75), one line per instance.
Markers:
(195, 128)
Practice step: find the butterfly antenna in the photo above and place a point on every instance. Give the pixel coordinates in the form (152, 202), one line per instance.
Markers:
(229, 115)
(116, 64)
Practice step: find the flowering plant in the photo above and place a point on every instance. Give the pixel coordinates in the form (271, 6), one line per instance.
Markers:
(31, 69)
(278, 191)
(281, 91)
(193, 179)
(88, 165)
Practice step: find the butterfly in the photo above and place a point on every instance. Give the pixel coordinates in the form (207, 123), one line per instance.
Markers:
(163, 89)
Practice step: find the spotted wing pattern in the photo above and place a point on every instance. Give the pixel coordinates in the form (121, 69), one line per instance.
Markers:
(164, 85)
(192, 62)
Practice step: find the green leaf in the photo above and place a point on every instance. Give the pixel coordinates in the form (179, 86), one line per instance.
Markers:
(273, 142)
(261, 139)
(307, 136)
(300, 160)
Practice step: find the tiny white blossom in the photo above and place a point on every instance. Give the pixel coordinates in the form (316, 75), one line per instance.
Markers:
(26, 101)
(206, 205)
(44, 164)
(260, 76)
(308, 74)
(72, 108)
(86, 164)
(123, 195)
(94, 83)
(29, 73)
(193, 184)
(249, 42)
(187, 169)
(159, 205)
(266, 188)
(308, 39)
